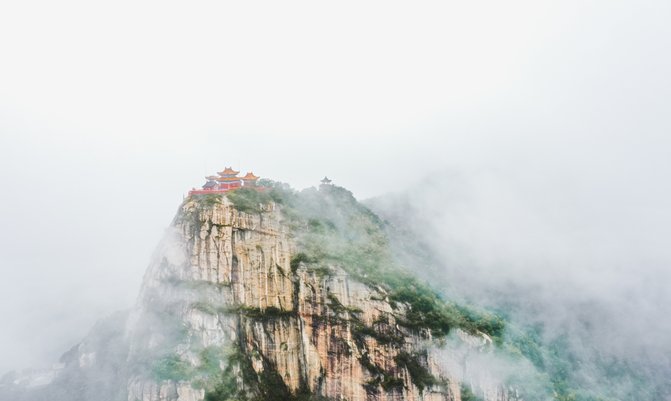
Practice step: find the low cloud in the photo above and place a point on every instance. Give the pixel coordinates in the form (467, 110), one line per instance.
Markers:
(575, 255)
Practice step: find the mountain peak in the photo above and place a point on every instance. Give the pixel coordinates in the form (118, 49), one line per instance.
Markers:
(274, 294)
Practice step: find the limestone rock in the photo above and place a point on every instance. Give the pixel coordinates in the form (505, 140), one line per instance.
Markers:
(222, 282)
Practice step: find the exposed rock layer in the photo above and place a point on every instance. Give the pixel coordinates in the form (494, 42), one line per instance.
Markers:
(222, 283)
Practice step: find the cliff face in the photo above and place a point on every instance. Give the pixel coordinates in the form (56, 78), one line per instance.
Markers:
(233, 308)
(300, 330)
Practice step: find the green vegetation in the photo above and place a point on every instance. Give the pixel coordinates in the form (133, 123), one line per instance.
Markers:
(336, 306)
(391, 383)
(226, 386)
(384, 336)
(264, 386)
(268, 313)
(175, 368)
(205, 308)
(299, 258)
(419, 373)
(425, 310)
(253, 200)
(249, 200)
(210, 199)
(227, 389)
(566, 375)
(333, 228)
(467, 394)
(172, 367)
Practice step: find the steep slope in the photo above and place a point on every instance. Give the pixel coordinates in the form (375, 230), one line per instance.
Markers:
(275, 295)
(566, 332)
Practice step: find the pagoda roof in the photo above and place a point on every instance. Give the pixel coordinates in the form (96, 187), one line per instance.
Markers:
(228, 178)
(326, 180)
(228, 171)
(250, 176)
(212, 178)
(210, 184)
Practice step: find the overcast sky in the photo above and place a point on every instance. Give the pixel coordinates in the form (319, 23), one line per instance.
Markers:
(111, 111)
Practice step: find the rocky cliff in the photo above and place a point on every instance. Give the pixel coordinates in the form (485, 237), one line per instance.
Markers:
(274, 295)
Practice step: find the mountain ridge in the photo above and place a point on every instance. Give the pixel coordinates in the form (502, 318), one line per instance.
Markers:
(274, 294)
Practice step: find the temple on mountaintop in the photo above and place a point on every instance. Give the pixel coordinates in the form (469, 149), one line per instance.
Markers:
(225, 181)
(228, 180)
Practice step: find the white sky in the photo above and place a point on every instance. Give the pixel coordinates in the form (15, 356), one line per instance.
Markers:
(111, 111)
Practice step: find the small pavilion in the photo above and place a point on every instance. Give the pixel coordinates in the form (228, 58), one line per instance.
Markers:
(249, 180)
